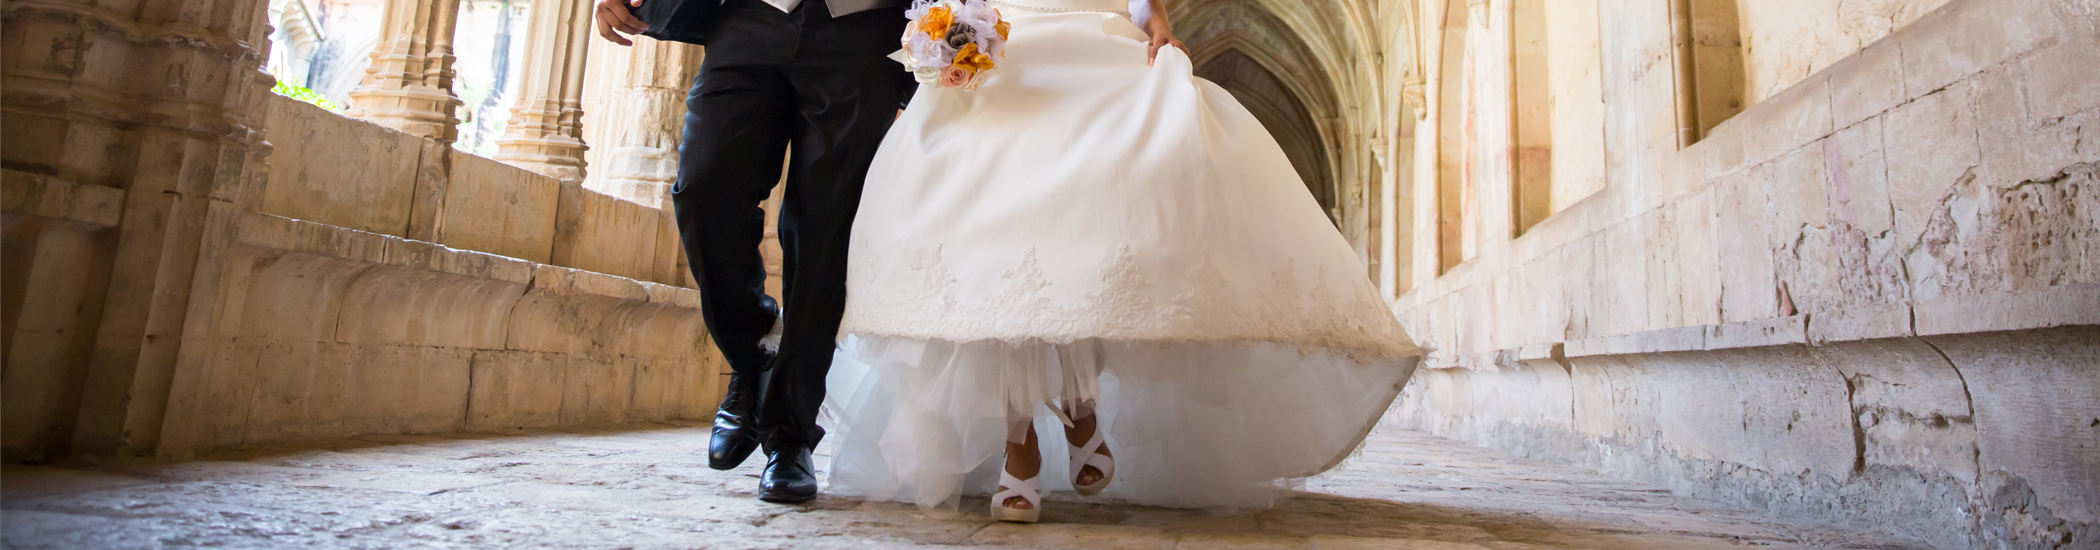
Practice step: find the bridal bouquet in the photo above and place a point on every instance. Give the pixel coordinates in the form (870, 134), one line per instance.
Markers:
(953, 42)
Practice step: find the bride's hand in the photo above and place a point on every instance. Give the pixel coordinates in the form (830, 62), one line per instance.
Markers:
(1162, 33)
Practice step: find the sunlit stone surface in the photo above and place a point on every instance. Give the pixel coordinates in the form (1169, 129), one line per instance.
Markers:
(647, 488)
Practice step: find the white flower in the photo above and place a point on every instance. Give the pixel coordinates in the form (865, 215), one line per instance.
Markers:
(970, 11)
(927, 75)
(929, 52)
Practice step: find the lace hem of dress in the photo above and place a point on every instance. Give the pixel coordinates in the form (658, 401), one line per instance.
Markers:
(1126, 307)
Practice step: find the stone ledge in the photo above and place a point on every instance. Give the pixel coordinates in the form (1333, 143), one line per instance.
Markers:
(51, 197)
(2057, 306)
(336, 332)
(281, 233)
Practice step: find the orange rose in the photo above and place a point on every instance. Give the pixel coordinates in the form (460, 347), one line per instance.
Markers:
(969, 58)
(936, 22)
(1001, 27)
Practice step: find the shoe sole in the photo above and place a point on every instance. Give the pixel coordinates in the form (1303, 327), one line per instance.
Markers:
(782, 498)
(1012, 515)
(741, 456)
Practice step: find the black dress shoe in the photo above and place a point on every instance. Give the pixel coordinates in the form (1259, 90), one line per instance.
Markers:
(736, 429)
(789, 478)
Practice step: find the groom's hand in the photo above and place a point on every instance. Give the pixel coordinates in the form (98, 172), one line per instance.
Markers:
(612, 17)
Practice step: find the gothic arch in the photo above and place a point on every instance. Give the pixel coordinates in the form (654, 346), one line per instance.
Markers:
(1246, 49)
(1282, 113)
(1322, 67)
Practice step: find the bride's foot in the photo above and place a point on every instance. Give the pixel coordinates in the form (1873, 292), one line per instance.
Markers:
(1092, 465)
(1019, 498)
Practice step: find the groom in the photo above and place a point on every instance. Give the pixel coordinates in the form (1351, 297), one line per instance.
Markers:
(808, 73)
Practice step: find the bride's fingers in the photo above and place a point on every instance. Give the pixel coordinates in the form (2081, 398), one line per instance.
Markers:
(1152, 52)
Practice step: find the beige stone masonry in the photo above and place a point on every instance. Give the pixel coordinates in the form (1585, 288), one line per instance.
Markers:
(545, 133)
(501, 209)
(644, 87)
(409, 84)
(372, 281)
(341, 332)
(1833, 296)
(339, 171)
(133, 143)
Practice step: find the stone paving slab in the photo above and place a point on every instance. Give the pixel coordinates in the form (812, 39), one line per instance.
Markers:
(647, 487)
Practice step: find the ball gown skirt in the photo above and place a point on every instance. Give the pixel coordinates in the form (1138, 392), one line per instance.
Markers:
(1088, 228)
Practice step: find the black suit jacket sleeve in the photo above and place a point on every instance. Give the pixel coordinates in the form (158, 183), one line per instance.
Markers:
(688, 20)
(677, 20)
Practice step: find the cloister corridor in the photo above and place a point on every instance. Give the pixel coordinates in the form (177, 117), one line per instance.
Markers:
(646, 487)
(1685, 274)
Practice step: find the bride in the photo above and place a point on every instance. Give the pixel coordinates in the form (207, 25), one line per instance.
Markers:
(1097, 246)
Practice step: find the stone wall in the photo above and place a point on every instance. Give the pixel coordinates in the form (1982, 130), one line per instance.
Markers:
(356, 327)
(1871, 297)
(380, 283)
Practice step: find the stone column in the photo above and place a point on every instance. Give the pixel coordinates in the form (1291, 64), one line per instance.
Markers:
(644, 88)
(545, 134)
(409, 85)
(134, 148)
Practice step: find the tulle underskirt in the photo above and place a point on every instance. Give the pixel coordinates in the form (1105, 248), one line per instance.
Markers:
(1221, 425)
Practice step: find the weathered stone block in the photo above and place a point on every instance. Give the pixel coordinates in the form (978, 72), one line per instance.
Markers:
(48, 328)
(1659, 236)
(340, 171)
(229, 387)
(296, 297)
(2018, 145)
(1866, 84)
(438, 258)
(1910, 406)
(2063, 79)
(281, 233)
(1931, 144)
(1787, 121)
(1856, 170)
(516, 389)
(1698, 258)
(613, 236)
(1770, 331)
(1966, 38)
(2035, 416)
(499, 209)
(444, 384)
(1743, 235)
(41, 195)
(1769, 415)
(1624, 299)
(2056, 306)
(384, 389)
(425, 308)
(1860, 321)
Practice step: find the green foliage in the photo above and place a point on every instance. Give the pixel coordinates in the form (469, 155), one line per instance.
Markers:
(287, 89)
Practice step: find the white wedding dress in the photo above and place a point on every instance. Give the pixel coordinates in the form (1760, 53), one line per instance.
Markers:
(1086, 227)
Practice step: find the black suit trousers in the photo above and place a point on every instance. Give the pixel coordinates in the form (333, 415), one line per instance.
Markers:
(772, 80)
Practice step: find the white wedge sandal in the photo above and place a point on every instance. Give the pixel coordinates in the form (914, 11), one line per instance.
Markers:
(1010, 487)
(1090, 455)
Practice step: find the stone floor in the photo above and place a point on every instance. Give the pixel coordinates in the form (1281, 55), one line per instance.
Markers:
(643, 487)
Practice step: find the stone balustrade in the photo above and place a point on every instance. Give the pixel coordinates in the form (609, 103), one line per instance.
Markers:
(381, 282)
(336, 320)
